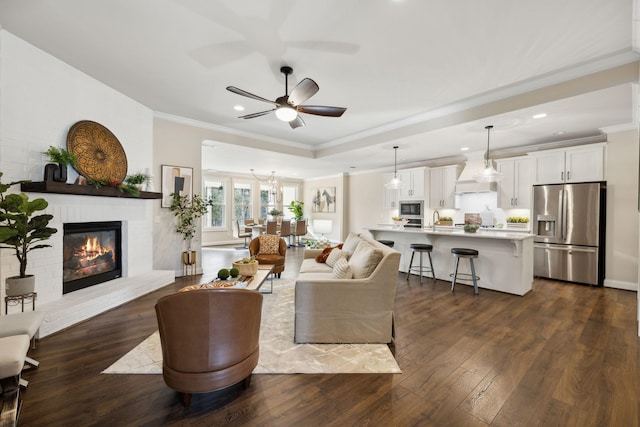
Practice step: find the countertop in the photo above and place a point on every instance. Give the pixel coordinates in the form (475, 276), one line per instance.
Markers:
(450, 231)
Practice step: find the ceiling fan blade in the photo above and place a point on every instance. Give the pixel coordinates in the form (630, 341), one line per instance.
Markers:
(253, 115)
(303, 91)
(297, 123)
(321, 110)
(249, 95)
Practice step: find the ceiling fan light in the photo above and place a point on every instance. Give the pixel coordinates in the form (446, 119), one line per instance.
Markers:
(286, 113)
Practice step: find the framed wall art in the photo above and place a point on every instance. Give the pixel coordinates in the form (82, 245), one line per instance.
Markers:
(176, 179)
(324, 200)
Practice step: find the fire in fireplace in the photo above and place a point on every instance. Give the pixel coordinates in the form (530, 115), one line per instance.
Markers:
(91, 254)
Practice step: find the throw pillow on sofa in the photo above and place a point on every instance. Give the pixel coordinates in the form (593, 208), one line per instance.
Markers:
(351, 243)
(335, 255)
(342, 269)
(322, 258)
(364, 260)
(269, 244)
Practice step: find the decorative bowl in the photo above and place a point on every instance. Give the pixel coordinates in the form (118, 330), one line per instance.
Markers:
(471, 228)
(400, 223)
(249, 269)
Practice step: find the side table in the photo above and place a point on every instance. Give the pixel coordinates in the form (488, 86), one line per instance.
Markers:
(20, 299)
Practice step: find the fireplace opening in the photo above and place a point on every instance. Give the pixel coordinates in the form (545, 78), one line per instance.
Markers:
(92, 254)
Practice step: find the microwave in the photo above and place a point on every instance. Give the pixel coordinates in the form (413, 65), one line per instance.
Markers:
(412, 209)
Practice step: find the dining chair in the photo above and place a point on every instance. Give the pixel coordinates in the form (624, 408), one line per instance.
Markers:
(272, 227)
(299, 231)
(285, 230)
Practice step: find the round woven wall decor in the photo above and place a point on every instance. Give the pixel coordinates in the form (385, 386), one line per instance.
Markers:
(100, 155)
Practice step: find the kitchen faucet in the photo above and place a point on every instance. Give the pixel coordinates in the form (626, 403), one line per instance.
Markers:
(433, 219)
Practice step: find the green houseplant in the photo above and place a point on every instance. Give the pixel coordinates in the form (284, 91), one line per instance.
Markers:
(58, 172)
(187, 211)
(137, 179)
(296, 207)
(22, 231)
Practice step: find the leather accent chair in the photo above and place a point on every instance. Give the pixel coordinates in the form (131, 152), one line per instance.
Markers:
(210, 339)
(276, 259)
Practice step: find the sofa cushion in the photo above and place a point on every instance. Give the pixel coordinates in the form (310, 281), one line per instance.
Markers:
(309, 265)
(325, 253)
(335, 255)
(269, 244)
(342, 269)
(351, 243)
(364, 260)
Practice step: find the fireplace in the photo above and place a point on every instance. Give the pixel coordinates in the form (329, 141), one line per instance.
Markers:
(92, 254)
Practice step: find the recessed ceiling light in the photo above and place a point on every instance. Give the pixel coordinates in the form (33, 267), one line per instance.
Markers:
(464, 149)
(238, 108)
(540, 116)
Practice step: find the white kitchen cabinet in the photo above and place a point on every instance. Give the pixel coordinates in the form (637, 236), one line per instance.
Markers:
(443, 187)
(573, 164)
(412, 184)
(389, 195)
(514, 190)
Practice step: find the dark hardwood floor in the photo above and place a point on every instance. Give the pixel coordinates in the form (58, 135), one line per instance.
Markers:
(563, 355)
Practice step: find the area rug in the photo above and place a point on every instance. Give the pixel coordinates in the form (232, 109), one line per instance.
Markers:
(278, 353)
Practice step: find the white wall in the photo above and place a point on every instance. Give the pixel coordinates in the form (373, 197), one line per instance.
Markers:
(40, 99)
(621, 174)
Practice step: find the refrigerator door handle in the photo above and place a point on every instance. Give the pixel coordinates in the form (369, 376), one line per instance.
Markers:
(561, 213)
(564, 248)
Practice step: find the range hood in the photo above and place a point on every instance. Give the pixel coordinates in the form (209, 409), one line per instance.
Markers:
(473, 166)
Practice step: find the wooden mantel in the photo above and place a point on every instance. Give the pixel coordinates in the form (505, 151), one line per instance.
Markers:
(82, 190)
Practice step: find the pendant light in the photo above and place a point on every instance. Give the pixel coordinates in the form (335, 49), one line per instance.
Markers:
(488, 174)
(395, 182)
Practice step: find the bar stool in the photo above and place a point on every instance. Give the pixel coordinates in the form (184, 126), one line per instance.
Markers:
(389, 243)
(421, 248)
(470, 254)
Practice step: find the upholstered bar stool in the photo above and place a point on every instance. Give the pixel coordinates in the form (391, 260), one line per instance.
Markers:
(470, 254)
(389, 243)
(421, 248)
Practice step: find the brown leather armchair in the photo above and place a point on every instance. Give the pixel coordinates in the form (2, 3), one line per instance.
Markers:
(210, 339)
(276, 259)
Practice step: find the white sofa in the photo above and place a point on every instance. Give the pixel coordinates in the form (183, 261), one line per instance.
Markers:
(356, 310)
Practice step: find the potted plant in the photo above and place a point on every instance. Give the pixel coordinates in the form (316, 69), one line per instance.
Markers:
(275, 213)
(296, 208)
(22, 231)
(187, 212)
(62, 158)
(137, 180)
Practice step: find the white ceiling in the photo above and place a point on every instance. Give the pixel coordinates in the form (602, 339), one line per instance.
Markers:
(427, 76)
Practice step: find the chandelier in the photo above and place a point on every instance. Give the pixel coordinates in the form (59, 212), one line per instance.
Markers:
(274, 191)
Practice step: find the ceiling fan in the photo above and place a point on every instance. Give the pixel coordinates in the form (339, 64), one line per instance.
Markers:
(288, 106)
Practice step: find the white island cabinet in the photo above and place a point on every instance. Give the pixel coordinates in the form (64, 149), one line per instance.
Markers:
(504, 263)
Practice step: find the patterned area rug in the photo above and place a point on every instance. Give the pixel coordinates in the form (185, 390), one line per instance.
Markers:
(278, 353)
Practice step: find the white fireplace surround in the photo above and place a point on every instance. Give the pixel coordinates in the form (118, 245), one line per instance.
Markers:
(138, 276)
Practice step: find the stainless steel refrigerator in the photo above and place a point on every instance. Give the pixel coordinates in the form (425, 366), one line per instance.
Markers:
(569, 224)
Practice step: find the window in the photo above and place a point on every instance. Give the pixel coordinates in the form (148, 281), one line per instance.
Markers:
(242, 208)
(214, 190)
(288, 195)
(267, 202)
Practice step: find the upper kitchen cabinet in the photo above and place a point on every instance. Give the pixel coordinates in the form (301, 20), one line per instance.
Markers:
(515, 188)
(573, 164)
(443, 187)
(412, 184)
(389, 195)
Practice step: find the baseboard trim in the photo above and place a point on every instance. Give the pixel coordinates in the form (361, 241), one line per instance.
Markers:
(619, 284)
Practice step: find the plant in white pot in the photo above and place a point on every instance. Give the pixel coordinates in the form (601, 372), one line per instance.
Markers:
(187, 212)
(22, 231)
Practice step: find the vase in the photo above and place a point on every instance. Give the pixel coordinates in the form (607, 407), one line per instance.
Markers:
(17, 285)
(56, 172)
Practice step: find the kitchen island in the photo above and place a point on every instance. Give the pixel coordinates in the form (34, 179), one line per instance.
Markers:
(504, 263)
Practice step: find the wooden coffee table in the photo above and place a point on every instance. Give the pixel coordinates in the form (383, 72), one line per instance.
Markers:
(264, 270)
